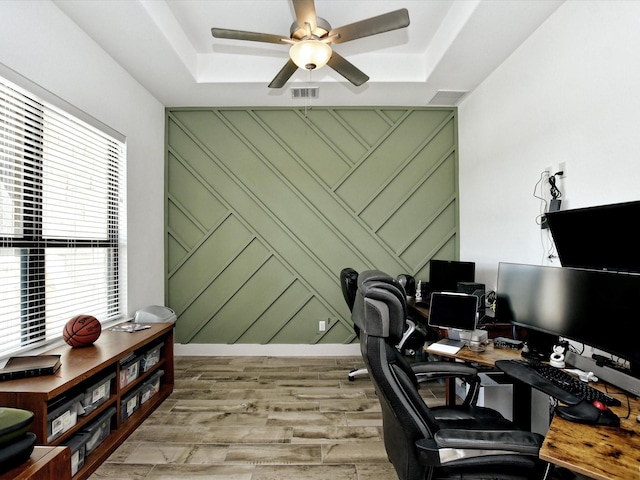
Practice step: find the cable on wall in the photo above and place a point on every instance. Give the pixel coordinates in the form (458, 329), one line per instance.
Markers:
(546, 241)
(554, 190)
(544, 175)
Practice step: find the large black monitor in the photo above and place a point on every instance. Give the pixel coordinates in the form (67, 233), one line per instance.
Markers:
(594, 307)
(605, 237)
(444, 275)
(453, 311)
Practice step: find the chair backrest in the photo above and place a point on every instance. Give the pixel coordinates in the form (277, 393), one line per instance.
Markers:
(349, 284)
(408, 282)
(380, 311)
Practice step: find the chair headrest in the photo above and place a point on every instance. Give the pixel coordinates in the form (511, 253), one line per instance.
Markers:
(380, 308)
(369, 276)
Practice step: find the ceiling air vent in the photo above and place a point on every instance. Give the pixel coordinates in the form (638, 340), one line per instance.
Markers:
(447, 97)
(305, 92)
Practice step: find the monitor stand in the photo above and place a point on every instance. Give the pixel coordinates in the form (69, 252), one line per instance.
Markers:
(453, 334)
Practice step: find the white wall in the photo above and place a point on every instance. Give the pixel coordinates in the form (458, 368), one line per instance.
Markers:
(569, 94)
(40, 43)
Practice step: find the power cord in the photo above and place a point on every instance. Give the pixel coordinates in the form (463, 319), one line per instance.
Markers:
(543, 201)
(554, 190)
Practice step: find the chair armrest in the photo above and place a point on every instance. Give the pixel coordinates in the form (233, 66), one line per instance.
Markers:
(469, 448)
(443, 369)
(429, 371)
(516, 441)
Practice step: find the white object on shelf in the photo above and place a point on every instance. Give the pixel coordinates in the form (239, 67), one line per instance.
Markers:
(154, 314)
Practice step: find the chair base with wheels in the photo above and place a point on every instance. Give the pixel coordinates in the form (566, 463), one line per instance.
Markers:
(357, 372)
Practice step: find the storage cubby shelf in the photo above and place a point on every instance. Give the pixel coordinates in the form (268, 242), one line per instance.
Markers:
(83, 366)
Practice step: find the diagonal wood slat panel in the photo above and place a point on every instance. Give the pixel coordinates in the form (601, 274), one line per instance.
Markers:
(265, 206)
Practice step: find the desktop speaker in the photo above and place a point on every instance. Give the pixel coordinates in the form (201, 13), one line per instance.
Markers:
(477, 289)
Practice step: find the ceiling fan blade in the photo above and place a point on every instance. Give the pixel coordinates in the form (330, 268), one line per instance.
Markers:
(283, 75)
(242, 35)
(347, 69)
(371, 26)
(305, 13)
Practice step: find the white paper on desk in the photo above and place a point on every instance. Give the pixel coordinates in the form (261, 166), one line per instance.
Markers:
(443, 348)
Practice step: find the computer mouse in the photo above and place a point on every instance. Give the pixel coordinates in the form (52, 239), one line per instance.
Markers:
(608, 418)
(586, 412)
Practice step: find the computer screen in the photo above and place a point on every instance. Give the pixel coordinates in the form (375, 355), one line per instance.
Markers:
(456, 311)
(604, 237)
(594, 307)
(444, 275)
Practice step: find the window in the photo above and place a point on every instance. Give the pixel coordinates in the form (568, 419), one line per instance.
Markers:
(62, 221)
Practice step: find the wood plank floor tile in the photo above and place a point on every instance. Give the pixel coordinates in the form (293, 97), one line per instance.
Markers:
(201, 472)
(260, 418)
(282, 454)
(308, 472)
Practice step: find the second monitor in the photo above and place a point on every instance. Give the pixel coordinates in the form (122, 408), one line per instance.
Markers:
(444, 275)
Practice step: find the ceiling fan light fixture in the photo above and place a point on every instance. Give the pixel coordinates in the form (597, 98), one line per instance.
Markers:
(310, 54)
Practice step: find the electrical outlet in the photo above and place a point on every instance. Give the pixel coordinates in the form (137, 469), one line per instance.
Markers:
(562, 167)
(322, 325)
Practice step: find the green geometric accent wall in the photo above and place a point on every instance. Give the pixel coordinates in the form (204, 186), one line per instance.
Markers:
(265, 206)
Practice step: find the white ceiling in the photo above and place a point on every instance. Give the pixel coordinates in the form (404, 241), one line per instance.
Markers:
(167, 46)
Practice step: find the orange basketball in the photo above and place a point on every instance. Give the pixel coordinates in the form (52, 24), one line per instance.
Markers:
(82, 331)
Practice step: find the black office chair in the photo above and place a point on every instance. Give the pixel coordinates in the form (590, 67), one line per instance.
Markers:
(423, 443)
(415, 323)
(424, 371)
(349, 284)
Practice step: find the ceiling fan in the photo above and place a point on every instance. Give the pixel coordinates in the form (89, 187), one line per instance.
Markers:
(311, 38)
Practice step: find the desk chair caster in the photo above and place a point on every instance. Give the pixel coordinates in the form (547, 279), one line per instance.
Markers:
(358, 371)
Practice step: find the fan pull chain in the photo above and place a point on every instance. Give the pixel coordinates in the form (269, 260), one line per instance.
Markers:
(307, 106)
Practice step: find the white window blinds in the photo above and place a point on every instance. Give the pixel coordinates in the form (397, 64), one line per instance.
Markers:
(62, 221)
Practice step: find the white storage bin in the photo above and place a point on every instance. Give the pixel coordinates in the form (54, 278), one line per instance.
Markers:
(96, 395)
(129, 371)
(151, 386)
(62, 415)
(95, 433)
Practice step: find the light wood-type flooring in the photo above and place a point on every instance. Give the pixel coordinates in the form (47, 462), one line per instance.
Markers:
(261, 418)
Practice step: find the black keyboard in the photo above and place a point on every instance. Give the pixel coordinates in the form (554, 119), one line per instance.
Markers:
(562, 380)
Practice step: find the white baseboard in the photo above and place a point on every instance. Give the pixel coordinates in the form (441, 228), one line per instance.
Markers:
(279, 350)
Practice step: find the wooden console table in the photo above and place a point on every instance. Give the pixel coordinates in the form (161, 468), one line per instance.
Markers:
(81, 368)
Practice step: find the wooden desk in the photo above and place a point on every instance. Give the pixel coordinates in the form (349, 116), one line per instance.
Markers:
(488, 358)
(602, 453)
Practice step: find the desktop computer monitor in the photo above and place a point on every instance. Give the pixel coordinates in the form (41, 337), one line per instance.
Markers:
(444, 275)
(597, 308)
(603, 237)
(453, 311)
